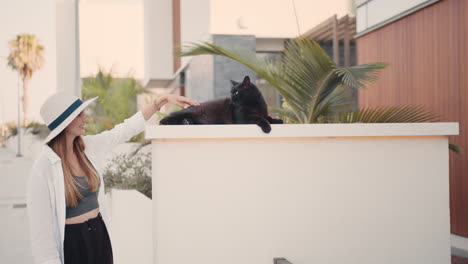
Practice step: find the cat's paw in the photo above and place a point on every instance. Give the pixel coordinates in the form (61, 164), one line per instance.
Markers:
(187, 121)
(265, 127)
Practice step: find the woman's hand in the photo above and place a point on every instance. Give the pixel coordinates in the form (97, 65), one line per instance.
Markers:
(156, 105)
(178, 100)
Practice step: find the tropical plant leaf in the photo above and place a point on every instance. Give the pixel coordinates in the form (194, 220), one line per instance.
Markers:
(389, 114)
(285, 114)
(26, 55)
(361, 75)
(454, 148)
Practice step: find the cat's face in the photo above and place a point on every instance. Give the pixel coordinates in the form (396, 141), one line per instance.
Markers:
(241, 91)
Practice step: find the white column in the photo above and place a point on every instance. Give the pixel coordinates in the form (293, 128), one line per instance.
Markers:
(68, 54)
(158, 39)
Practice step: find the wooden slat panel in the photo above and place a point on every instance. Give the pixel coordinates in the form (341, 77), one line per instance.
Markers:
(176, 33)
(336, 50)
(347, 58)
(427, 52)
(462, 56)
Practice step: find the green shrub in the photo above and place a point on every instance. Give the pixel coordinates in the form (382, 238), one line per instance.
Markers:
(130, 172)
(116, 101)
(39, 129)
(34, 128)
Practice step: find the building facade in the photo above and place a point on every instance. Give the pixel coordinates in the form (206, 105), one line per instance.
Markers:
(424, 42)
(249, 25)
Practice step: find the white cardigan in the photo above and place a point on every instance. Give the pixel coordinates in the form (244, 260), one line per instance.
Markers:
(46, 191)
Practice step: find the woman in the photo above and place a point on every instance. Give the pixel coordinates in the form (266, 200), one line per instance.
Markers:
(65, 192)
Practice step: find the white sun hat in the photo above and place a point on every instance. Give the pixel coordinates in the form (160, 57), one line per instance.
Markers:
(59, 110)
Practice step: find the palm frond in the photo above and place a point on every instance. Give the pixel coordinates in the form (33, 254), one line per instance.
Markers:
(454, 148)
(305, 64)
(26, 55)
(360, 75)
(389, 114)
(341, 99)
(286, 115)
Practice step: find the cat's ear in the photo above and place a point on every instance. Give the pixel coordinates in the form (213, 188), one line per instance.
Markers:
(234, 83)
(246, 82)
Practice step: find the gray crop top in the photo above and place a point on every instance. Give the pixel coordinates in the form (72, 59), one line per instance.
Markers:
(89, 202)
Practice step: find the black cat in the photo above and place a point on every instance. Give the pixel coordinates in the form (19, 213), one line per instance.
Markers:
(246, 106)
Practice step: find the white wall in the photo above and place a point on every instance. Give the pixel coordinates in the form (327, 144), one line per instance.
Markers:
(31, 145)
(375, 12)
(68, 75)
(272, 18)
(359, 194)
(111, 36)
(195, 22)
(34, 17)
(158, 39)
(130, 226)
(194, 18)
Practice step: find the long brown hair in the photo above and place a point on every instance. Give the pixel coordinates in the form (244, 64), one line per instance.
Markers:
(58, 144)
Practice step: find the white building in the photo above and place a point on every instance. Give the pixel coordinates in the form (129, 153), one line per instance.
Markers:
(260, 26)
(52, 21)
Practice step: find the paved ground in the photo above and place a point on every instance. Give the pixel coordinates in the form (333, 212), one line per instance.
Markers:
(14, 172)
(14, 231)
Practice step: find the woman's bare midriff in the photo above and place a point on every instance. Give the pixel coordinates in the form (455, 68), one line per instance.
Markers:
(82, 218)
(77, 170)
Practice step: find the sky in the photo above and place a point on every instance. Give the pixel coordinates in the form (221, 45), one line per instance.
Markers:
(111, 37)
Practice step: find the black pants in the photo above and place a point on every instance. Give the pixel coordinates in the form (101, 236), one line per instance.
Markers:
(87, 243)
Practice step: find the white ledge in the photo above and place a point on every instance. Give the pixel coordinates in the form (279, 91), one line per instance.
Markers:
(301, 130)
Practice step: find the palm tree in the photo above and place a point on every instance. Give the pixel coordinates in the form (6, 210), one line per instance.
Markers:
(314, 89)
(26, 57)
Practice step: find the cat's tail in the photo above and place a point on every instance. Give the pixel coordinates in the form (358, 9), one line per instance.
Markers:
(164, 121)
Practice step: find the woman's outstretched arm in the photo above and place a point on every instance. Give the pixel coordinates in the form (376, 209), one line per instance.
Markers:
(156, 105)
(104, 141)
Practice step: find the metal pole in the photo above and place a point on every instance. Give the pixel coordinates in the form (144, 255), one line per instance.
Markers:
(2, 126)
(336, 43)
(347, 58)
(18, 130)
(297, 19)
